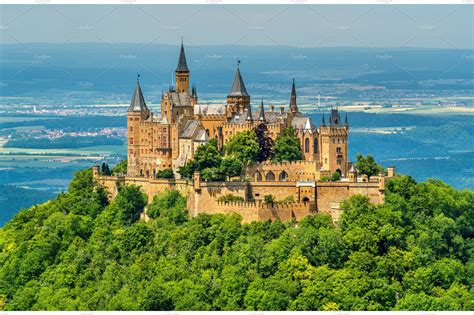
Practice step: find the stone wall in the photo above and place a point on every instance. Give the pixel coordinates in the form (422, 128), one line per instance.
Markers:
(202, 197)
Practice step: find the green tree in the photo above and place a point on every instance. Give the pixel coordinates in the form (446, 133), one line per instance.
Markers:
(367, 165)
(335, 176)
(287, 146)
(120, 168)
(231, 167)
(244, 147)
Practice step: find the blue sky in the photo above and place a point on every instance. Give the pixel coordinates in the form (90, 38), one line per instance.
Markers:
(431, 26)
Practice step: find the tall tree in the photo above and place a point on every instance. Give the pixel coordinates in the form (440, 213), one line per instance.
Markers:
(243, 146)
(367, 165)
(287, 146)
(265, 143)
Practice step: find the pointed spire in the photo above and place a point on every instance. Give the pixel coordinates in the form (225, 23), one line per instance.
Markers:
(138, 101)
(293, 105)
(238, 87)
(182, 64)
(261, 115)
(323, 123)
(193, 91)
(249, 117)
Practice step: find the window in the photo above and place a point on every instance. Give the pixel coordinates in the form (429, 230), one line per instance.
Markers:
(315, 146)
(131, 140)
(306, 145)
(338, 150)
(283, 176)
(270, 176)
(131, 128)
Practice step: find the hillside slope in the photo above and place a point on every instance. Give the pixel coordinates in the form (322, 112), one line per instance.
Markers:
(78, 252)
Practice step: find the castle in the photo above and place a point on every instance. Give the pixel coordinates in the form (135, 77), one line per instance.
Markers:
(170, 140)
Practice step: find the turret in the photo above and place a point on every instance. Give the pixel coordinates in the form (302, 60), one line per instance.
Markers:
(238, 96)
(182, 73)
(261, 114)
(249, 117)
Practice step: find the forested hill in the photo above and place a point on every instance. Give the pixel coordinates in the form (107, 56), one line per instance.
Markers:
(78, 252)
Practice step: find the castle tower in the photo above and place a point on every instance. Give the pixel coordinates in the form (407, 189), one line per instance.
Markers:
(137, 112)
(182, 73)
(238, 98)
(293, 105)
(333, 144)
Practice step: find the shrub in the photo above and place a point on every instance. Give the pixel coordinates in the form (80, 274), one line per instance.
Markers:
(335, 176)
(324, 179)
(166, 173)
(230, 198)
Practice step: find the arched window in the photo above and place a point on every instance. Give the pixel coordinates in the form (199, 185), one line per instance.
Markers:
(283, 176)
(258, 176)
(315, 146)
(306, 145)
(270, 176)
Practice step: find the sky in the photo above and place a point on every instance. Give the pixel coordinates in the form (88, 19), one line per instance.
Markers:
(429, 26)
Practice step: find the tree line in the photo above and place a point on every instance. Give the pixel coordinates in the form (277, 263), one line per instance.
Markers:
(81, 251)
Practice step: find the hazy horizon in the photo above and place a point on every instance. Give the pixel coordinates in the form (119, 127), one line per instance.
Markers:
(296, 26)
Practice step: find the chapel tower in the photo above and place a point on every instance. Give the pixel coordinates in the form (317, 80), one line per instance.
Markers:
(182, 73)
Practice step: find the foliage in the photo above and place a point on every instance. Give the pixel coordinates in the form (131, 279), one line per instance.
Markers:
(244, 147)
(270, 199)
(231, 167)
(335, 176)
(207, 160)
(265, 143)
(78, 252)
(287, 146)
(120, 168)
(367, 165)
(324, 179)
(166, 173)
(169, 204)
(230, 198)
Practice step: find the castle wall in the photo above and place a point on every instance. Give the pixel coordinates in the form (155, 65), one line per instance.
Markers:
(202, 197)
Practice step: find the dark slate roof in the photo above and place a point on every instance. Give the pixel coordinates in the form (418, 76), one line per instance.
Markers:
(261, 114)
(182, 65)
(138, 101)
(334, 118)
(180, 99)
(238, 87)
(302, 122)
(189, 129)
(270, 117)
(249, 114)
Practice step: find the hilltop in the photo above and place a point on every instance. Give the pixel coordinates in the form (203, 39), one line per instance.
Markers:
(80, 252)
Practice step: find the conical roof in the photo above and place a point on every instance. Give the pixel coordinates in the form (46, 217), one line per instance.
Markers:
(138, 101)
(182, 64)
(238, 87)
(261, 115)
(249, 117)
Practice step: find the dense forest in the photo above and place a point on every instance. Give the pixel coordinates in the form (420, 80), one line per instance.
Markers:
(13, 198)
(80, 252)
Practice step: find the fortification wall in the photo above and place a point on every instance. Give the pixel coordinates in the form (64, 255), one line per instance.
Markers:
(202, 197)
